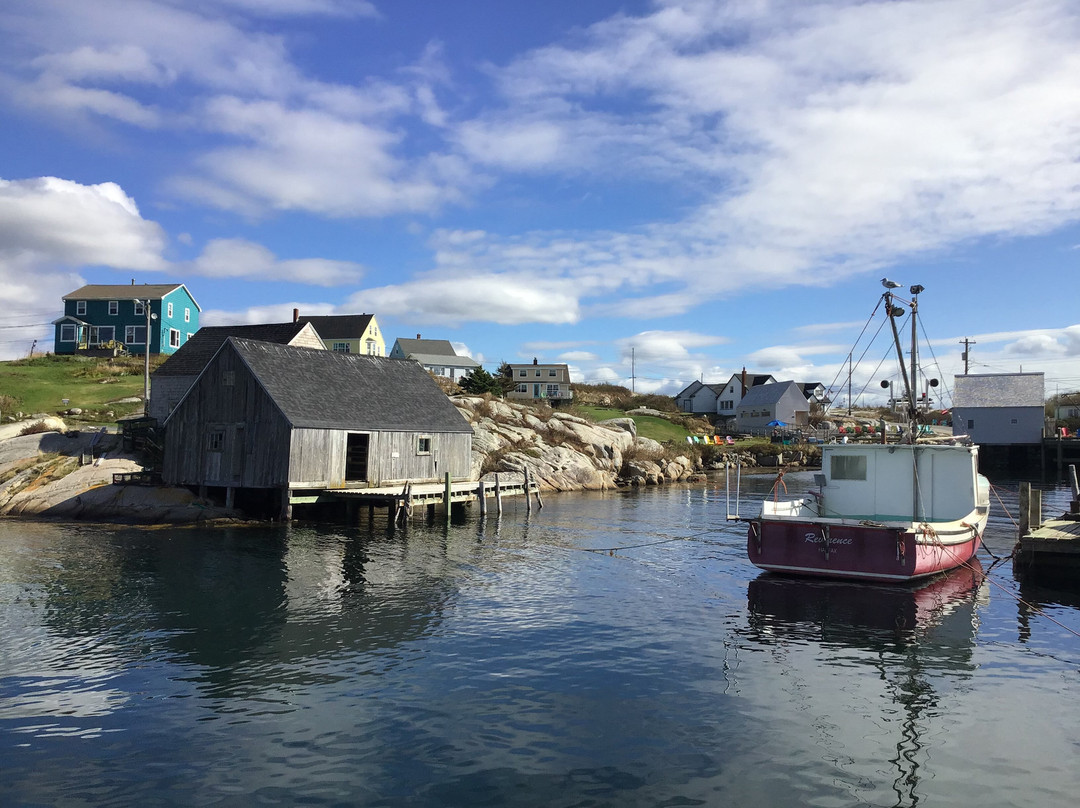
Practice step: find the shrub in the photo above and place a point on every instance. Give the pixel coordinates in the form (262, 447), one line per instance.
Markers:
(35, 428)
(8, 403)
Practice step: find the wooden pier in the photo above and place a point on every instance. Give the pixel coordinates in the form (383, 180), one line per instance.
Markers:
(423, 500)
(1052, 545)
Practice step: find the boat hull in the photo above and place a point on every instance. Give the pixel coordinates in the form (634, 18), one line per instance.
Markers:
(859, 551)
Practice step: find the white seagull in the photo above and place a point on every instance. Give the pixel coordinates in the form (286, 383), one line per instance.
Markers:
(890, 284)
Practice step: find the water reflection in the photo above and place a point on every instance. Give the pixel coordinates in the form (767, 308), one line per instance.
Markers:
(911, 639)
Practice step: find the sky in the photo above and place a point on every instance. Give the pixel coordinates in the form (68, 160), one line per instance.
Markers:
(652, 191)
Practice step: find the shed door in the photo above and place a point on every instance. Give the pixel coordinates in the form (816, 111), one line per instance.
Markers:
(356, 456)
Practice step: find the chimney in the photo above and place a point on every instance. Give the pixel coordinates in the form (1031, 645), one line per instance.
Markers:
(132, 281)
(534, 361)
(296, 315)
(744, 380)
(418, 336)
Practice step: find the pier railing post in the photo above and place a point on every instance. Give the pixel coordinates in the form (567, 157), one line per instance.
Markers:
(447, 493)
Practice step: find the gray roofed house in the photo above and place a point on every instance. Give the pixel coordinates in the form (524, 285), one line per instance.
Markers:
(778, 401)
(436, 355)
(262, 416)
(999, 409)
(173, 378)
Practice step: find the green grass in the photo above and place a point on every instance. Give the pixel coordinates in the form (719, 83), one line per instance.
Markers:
(648, 426)
(41, 384)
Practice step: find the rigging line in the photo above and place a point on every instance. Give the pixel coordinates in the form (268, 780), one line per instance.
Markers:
(937, 364)
(611, 550)
(996, 494)
(865, 325)
(888, 354)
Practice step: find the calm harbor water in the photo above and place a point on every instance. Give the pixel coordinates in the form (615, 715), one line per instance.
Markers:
(521, 662)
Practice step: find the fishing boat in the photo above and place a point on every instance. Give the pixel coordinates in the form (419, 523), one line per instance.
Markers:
(881, 511)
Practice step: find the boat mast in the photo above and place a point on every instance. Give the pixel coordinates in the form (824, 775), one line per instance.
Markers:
(892, 312)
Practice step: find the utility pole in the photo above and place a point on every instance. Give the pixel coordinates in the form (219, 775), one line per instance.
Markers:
(967, 352)
(633, 370)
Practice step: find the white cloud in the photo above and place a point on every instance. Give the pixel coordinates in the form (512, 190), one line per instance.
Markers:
(238, 258)
(59, 222)
(578, 356)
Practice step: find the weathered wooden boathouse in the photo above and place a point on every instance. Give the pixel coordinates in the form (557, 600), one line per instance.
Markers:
(270, 424)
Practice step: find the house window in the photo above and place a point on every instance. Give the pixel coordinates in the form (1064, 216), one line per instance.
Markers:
(849, 467)
(553, 373)
(140, 309)
(187, 314)
(341, 347)
(522, 388)
(523, 373)
(135, 335)
(423, 445)
(215, 440)
(102, 333)
(168, 310)
(371, 347)
(553, 391)
(114, 308)
(80, 308)
(538, 373)
(67, 332)
(174, 337)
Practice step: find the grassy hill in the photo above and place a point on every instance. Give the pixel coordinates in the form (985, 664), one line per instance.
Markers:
(94, 385)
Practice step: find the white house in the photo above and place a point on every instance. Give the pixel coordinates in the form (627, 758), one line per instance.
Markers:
(537, 381)
(436, 355)
(777, 401)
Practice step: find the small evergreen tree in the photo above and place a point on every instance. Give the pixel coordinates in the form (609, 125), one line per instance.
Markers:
(479, 382)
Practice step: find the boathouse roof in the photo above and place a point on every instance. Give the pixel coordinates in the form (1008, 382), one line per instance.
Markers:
(999, 390)
(330, 390)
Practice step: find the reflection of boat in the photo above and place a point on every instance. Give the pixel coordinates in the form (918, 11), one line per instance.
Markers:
(848, 610)
(884, 512)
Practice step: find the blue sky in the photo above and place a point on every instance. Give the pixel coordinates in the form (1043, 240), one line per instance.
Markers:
(671, 189)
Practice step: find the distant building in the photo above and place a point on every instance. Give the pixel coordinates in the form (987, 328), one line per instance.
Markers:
(727, 400)
(537, 381)
(97, 316)
(348, 333)
(699, 398)
(999, 409)
(177, 373)
(777, 401)
(436, 355)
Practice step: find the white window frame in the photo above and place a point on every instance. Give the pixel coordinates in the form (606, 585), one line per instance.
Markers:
(174, 337)
(140, 308)
(187, 314)
(423, 444)
(168, 310)
(97, 331)
(341, 347)
(67, 332)
(114, 308)
(131, 335)
(80, 308)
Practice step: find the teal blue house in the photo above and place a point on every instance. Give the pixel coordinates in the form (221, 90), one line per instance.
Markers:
(98, 317)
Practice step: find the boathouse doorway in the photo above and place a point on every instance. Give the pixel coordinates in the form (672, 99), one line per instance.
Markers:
(356, 456)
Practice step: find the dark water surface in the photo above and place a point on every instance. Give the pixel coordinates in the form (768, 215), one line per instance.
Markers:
(503, 664)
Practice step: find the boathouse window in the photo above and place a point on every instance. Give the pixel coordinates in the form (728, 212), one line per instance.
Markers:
(215, 441)
(423, 445)
(228, 378)
(849, 467)
(971, 423)
(1012, 421)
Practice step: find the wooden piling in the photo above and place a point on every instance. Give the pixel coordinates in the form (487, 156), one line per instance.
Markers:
(528, 502)
(1074, 505)
(498, 495)
(481, 495)
(447, 494)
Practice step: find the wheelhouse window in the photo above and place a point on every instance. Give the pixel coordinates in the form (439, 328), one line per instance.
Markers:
(849, 467)
(80, 308)
(67, 332)
(423, 445)
(174, 338)
(114, 308)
